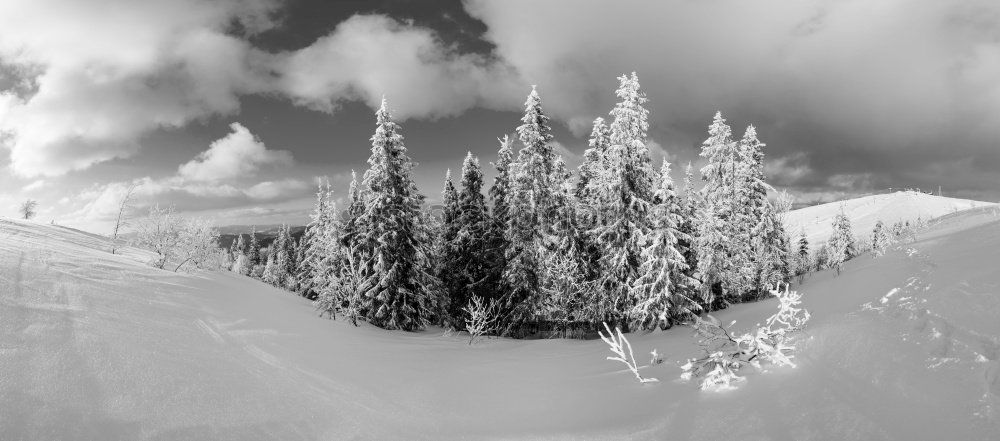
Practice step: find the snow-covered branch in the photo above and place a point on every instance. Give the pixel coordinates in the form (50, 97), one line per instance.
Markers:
(726, 354)
(619, 345)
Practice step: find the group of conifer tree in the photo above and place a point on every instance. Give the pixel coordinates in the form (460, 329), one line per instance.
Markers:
(614, 242)
(277, 264)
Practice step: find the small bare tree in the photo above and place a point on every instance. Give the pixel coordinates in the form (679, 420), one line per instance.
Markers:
(122, 219)
(482, 318)
(28, 209)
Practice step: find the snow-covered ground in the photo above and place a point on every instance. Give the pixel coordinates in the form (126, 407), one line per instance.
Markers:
(865, 211)
(98, 346)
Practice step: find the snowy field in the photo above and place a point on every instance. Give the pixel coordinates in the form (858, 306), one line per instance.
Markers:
(101, 346)
(864, 212)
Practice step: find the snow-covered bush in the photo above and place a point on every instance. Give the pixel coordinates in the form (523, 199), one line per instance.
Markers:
(723, 356)
(789, 317)
(159, 231)
(481, 318)
(726, 354)
(198, 245)
(619, 344)
(177, 240)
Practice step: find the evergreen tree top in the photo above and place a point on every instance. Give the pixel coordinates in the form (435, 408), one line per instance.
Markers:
(719, 148)
(505, 155)
(630, 122)
(353, 190)
(448, 193)
(472, 175)
(534, 132)
(666, 181)
(600, 135)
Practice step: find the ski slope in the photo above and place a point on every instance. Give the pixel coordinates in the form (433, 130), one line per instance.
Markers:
(101, 346)
(864, 212)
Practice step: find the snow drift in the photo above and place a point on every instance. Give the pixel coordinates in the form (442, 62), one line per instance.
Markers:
(101, 346)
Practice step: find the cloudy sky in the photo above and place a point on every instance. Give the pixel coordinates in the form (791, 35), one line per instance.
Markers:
(232, 108)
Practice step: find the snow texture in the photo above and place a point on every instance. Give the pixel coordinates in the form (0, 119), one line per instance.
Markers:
(102, 346)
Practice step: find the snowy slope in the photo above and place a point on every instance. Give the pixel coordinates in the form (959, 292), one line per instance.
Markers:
(95, 346)
(865, 211)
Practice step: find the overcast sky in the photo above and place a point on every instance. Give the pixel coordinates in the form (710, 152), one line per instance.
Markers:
(232, 108)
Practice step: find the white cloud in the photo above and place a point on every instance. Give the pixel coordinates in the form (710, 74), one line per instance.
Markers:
(99, 203)
(106, 72)
(35, 185)
(238, 154)
(369, 56)
(216, 178)
(274, 189)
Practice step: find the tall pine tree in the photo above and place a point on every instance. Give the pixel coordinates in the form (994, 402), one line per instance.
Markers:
(626, 193)
(393, 293)
(722, 242)
(499, 195)
(663, 285)
(472, 266)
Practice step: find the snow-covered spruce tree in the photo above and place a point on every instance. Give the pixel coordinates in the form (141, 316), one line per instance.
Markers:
(803, 250)
(523, 299)
(354, 210)
(593, 161)
(448, 271)
(290, 266)
(271, 276)
(530, 212)
(840, 246)
(472, 267)
(429, 261)
(232, 252)
(253, 253)
(626, 191)
(328, 277)
(628, 129)
(880, 239)
(310, 249)
(393, 295)
(689, 204)
(537, 156)
(253, 247)
(724, 227)
(499, 218)
(663, 286)
(588, 196)
(241, 264)
(295, 277)
(768, 247)
(566, 282)
(279, 251)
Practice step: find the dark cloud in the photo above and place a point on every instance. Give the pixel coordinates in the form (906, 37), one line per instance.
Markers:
(851, 88)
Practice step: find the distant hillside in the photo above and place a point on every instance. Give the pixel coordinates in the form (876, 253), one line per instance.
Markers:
(865, 211)
(265, 234)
